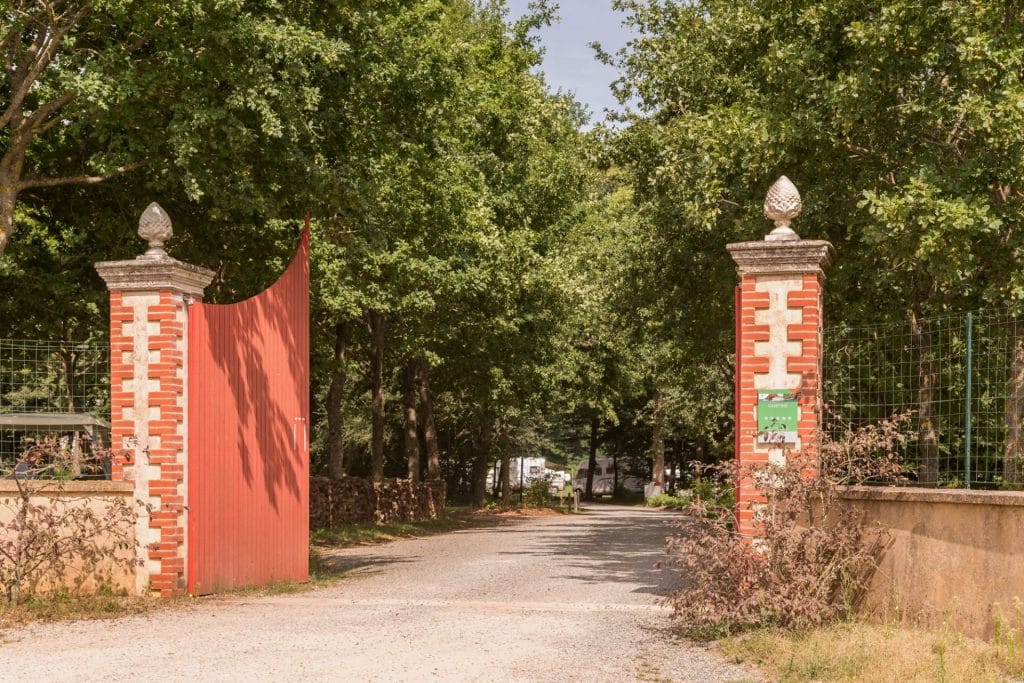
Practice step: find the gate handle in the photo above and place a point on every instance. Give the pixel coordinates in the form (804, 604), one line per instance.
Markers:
(295, 435)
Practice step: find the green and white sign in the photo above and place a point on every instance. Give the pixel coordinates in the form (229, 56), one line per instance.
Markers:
(777, 416)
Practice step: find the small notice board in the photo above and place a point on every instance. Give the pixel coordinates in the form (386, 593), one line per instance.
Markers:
(777, 415)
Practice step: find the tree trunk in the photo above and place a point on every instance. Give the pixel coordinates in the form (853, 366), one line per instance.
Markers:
(615, 470)
(7, 199)
(412, 441)
(588, 493)
(377, 380)
(429, 430)
(1013, 457)
(658, 441)
(481, 460)
(927, 370)
(10, 179)
(335, 396)
(506, 479)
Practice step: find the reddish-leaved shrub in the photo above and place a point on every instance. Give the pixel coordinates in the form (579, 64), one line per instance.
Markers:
(50, 540)
(814, 556)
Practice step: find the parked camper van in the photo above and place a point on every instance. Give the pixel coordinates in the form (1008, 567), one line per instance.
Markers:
(532, 470)
(604, 478)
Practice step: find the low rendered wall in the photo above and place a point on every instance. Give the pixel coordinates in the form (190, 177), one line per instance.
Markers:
(96, 496)
(349, 500)
(953, 553)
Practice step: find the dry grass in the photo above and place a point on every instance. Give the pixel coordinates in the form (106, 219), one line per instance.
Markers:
(520, 512)
(453, 519)
(856, 651)
(369, 534)
(68, 607)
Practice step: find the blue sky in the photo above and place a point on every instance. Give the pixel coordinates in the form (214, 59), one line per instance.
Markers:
(568, 63)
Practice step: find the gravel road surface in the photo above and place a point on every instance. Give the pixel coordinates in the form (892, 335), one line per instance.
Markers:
(559, 598)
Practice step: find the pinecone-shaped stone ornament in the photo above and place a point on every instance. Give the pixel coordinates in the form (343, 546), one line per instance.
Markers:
(155, 227)
(782, 204)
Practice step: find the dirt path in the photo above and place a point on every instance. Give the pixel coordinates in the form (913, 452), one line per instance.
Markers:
(564, 598)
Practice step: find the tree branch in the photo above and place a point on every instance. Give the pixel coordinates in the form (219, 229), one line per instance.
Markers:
(44, 110)
(79, 179)
(49, 37)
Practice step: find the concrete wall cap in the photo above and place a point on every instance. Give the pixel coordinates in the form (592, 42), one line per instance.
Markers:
(911, 494)
(153, 275)
(51, 487)
(782, 257)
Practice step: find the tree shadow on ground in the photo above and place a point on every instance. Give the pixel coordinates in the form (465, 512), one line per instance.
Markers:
(344, 565)
(615, 549)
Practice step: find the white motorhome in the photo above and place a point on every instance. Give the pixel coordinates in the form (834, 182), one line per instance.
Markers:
(604, 478)
(532, 469)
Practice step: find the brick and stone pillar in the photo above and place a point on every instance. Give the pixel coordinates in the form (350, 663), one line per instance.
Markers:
(779, 346)
(149, 299)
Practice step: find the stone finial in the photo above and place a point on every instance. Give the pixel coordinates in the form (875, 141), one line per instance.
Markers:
(155, 228)
(782, 204)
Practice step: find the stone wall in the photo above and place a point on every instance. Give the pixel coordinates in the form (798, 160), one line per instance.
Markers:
(349, 500)
(97, 497)
(953, 554)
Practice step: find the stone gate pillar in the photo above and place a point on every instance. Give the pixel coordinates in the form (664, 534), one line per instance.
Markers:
(778, 346)
(149, 297)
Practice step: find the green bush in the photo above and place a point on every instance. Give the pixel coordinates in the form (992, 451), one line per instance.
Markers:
(716, 495)
(664, 500)
(536, 494)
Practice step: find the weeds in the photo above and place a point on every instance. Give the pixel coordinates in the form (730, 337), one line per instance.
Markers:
(853, 651)
(52, 541)
(814, 556)
(1008, 638)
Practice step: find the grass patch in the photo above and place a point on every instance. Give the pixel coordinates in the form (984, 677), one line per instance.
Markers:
(856, 651)
(664, 500)
(65, 607)
(367, 534)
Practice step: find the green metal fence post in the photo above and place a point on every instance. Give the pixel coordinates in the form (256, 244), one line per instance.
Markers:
(967, 405)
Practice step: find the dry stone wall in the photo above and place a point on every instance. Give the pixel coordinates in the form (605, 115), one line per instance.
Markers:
(349, 500)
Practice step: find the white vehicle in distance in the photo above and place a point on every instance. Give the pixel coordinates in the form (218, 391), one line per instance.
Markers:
(532, 470)
(604, 478)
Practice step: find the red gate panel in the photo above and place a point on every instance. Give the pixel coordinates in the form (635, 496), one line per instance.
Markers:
(248, 444)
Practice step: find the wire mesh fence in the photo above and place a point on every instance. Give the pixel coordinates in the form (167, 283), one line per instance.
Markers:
(53, 390)
(959, 377)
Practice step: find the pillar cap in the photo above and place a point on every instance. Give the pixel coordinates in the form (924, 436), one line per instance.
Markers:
(154, 275)
(783, 257)
(155, 270)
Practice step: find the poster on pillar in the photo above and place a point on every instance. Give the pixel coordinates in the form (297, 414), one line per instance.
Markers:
(777, 415)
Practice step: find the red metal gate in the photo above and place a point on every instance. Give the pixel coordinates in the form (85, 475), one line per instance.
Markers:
(248, 444)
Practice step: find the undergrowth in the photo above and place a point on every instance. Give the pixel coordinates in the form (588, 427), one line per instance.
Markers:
(813, 556)
(664, 500)
(858, 651)
(365, 534)
(61, 606)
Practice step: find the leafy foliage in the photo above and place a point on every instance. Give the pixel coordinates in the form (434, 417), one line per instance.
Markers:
(538, 493)
(664, 500)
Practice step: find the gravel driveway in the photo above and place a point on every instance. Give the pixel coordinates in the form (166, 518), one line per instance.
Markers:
(562, 598)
